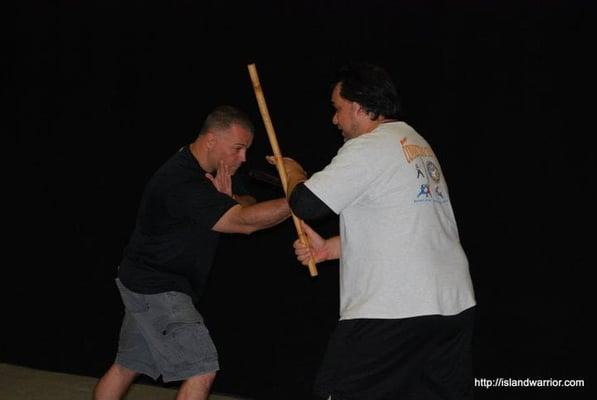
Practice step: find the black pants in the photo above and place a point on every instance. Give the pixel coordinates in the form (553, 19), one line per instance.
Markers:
(425, 357)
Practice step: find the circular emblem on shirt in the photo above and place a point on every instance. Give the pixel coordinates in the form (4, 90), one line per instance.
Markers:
(433, 171)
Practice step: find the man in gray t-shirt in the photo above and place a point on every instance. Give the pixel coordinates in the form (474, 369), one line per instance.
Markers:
(406, 296)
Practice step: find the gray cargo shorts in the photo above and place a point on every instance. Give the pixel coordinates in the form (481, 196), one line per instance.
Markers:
(164, 334)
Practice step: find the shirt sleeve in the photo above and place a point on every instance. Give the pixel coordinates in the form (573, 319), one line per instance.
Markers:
(347, 177)
(200, 202)
(306, 205)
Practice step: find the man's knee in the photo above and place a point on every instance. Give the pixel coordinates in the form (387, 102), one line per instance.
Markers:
(202, 379)
(114, 383)
(196, 387)
(123, 372)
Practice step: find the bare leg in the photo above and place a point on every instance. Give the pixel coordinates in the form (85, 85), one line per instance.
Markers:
(114, 384)
(196, 387)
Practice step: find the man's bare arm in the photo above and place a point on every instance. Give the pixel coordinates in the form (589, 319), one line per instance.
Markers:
(250, 218)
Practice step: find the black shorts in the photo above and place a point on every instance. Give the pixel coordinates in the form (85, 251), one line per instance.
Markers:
(425, 357)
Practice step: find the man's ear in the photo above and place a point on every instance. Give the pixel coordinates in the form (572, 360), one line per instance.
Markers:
(360, 110)
(211, 140)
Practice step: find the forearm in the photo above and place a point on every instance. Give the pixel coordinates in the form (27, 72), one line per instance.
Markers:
(265, 214)
(251, 218)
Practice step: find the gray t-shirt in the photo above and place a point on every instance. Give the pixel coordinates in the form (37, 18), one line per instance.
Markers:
(401, 256)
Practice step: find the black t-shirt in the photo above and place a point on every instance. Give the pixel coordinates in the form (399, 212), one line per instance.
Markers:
(173, 246)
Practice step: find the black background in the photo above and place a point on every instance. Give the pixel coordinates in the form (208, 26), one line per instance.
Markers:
(101, 93)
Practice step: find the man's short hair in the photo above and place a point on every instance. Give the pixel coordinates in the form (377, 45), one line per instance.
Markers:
(223, 117)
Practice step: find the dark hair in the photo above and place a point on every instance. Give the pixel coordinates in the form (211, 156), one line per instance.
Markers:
(370, 86)
(223, 117)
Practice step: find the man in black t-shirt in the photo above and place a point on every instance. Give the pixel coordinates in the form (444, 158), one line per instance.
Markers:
(187, 203)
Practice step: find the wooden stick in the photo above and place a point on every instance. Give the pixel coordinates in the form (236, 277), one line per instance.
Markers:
(271, 134)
